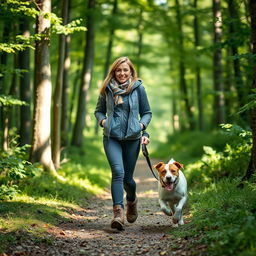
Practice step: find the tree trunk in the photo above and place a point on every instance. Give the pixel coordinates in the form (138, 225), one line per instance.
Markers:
(77, 139)
(109, 51)
(252, 164)
(41, 141)
(57, 98)
(219, 102)
(74, 92)
(110, 41)
(139, 44)
(3, 114)
(14, 91)
(182, 69)
(25, 88)
(198, 72)
(234, 28)
(65, 94)
(229, 88)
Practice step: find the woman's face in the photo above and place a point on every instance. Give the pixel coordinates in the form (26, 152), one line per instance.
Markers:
(122, 73)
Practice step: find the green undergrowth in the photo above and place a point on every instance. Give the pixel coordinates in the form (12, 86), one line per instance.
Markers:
(223, 218)
(44, 201)
(187, 147)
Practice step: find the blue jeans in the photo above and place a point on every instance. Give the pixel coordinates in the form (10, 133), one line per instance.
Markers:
(122, 157)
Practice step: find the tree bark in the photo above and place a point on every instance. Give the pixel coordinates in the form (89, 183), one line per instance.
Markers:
(109, 50)
(140, 38)
(198, 72)
(41, 140)
(57, 98)
(3, 115)
(110, 41)
(182, 69)
(25, 88)
(65, 94)
(234, 28)
(219, 101)
(252, 164)
(77, 138)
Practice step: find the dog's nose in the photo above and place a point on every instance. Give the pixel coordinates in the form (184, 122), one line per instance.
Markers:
(168, 178)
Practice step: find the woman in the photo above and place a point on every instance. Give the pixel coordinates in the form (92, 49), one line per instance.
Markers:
(122, 99)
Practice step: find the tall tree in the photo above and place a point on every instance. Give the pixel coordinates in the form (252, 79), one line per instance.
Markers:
(110, 40)
(234, 28)
(109, 47)
(252, 164)
(65, 93)
(140, 38)
(198, 71)
(219, 102)
(25, 90)
(3, 58)
(57, 98)
(77, 137)
(182, 68)
(41, 140)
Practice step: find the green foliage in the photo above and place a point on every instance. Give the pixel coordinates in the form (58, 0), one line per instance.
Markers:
(251, 104)
(70, 28)
(6, 100)
(8, 192)
(12, 48)
(16, 7)
(13, 169)
(232, 161)
(225, 217)
(187, 147)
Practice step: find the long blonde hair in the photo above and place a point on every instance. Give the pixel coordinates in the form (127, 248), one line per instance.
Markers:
(112, 70)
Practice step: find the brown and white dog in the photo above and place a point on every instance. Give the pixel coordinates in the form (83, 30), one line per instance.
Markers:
(172, 189)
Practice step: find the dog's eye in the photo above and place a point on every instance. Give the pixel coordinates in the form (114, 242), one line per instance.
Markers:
(173, 172)
(164, 172)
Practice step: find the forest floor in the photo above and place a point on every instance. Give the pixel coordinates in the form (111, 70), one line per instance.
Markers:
(88, 232)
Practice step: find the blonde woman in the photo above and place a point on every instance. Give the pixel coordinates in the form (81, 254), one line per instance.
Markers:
(124, 113)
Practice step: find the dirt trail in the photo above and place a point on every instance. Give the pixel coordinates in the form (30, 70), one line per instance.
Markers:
(88, 232)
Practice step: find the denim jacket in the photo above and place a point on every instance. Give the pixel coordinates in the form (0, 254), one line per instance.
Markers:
(139, 112)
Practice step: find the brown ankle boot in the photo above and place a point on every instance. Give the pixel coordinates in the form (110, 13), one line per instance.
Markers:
(118, 220)
(131, 213)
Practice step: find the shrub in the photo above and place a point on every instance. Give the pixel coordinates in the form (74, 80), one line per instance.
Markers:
(13, 169)
(230, 162)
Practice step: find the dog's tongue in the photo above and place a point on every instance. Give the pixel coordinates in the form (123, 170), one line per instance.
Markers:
(169, 186)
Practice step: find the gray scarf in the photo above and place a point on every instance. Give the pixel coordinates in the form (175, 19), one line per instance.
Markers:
(118, 89)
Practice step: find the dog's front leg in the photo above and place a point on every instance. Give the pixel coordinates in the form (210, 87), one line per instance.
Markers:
(164, 207)
(177, 217)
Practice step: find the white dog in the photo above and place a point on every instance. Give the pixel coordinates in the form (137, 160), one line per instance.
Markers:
(172, 189)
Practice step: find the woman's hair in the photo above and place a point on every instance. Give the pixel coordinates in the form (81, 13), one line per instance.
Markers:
(112, 70)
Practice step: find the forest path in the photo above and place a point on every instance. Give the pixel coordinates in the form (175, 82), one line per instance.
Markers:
(88, 231)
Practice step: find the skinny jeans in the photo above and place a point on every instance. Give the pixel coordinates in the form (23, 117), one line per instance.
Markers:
(122, 156)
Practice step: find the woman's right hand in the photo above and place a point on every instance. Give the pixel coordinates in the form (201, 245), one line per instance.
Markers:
(102, 122)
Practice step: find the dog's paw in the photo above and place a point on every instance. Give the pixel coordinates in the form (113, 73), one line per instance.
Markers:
(177, 216)
(167, 211)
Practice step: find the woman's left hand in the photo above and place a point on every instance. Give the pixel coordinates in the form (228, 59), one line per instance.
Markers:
(144, 140)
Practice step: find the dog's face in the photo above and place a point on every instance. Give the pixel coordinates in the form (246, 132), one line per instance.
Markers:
(168, 173)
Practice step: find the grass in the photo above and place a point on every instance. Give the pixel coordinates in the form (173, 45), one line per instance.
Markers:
(223, 218)
(44, 201)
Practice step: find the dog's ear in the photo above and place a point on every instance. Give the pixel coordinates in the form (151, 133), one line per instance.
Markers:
(179, 165)
(157, 166)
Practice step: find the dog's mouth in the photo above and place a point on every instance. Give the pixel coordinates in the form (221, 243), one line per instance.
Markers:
(169, 185)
